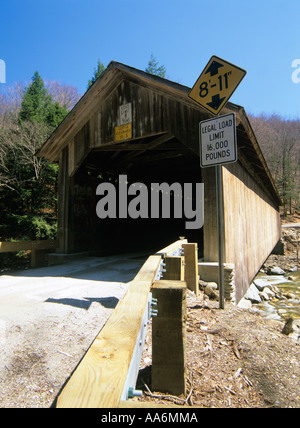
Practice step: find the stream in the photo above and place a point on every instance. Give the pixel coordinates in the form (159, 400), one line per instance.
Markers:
(283, 308)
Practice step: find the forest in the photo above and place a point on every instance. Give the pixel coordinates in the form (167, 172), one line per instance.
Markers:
(279, 140)
(28, 185)
(28, 197)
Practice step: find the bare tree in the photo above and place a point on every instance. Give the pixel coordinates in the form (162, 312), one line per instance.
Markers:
(280, 143)
(10, 102)
(18, 145)
(66, 95)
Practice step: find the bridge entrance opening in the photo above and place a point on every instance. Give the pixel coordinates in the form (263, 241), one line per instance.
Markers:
(171, 163)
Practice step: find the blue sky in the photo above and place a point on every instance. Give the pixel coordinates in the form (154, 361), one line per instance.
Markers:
(63, 39)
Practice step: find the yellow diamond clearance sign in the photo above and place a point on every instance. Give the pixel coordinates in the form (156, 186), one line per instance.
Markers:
(216, 84)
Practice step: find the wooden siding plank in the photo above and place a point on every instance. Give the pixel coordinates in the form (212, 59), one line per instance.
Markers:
(210, 227)
(71, 157)
(252, 225)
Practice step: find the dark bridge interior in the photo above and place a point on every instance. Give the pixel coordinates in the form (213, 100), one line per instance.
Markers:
(142, 162)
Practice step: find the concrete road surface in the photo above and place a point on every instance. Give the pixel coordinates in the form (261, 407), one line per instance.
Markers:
(75, 284)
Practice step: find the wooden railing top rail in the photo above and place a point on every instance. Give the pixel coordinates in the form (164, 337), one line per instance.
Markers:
(11, 246)
(172, 247)
(6, 247)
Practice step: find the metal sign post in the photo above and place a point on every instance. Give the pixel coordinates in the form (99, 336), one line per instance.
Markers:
(220, 220)
(218, 143)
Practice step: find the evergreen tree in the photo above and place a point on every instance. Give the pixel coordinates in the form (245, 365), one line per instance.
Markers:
(35, 100)
(55, 114)
(153, 67)
(97, 72)
(38, 106)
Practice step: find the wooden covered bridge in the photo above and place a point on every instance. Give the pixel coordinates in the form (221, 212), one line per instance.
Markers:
(147, 128)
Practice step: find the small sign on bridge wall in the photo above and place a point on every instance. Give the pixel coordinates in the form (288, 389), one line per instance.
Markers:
(124, 130)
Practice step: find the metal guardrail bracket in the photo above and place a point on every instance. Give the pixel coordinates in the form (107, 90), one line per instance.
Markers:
(129, 390)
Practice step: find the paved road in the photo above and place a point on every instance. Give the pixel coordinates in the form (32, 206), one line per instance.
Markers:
(75, 284)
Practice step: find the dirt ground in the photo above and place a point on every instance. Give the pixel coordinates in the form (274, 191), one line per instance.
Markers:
(235, 358)
(39, 356)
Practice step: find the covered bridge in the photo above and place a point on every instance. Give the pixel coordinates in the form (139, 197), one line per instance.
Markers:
(147, 128)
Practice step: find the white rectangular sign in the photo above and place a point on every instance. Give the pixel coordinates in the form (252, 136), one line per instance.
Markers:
(125, 111)
(218, 144)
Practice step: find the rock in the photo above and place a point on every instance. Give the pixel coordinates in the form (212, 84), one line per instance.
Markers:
(244, 304)
(275, 289)
(280, 296)
(261, 284)
(292, 328)
(275, 271)
(289, 295)
(294, 276)
(269, 293)
(213, 285)
(202, 284)
(264, 296)
(211, 290)
(253, 294)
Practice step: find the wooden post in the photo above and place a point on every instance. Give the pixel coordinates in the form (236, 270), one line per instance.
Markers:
(174, 266)
(38, 258)
(169, 337)
(64, 209)
(190, 252)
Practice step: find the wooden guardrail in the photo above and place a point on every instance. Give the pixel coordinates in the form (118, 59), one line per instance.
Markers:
(37, 248)
(99, 379)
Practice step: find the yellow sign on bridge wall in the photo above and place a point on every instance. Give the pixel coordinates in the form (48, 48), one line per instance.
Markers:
(123, 132)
